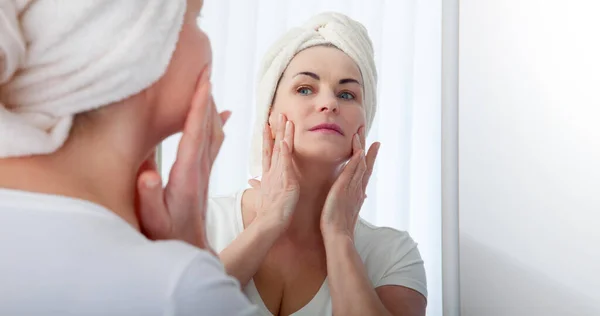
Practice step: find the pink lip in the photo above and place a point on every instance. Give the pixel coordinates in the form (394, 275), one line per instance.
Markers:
(328, 127)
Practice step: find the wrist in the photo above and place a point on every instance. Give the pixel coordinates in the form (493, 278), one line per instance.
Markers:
(268, 227)
(335, 231)
(336, 238)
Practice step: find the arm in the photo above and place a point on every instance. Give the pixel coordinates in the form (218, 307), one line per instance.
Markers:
(244, 255)
(348, 282)
(278, 198)
(400, 300)
(351, 290)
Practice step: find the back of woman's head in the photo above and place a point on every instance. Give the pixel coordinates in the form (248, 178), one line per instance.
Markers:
(62, 58)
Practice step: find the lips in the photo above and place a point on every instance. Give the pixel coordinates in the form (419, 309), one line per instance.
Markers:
(329, 127)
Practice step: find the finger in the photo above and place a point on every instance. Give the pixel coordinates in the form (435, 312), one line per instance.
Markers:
(255, 184)
(345, 178)
(286, 159)
(225, 115)
(217, 134)
(356, 184)
(205, 171)
(289, 135)
(356, 144)
(286, 132)
(152, 212)
(362, 137)
(197, 121)
(194, 149)
(267, 149)
(202, 184)
(215, 139)
(279, 133)
(281, 127)
(370, 161)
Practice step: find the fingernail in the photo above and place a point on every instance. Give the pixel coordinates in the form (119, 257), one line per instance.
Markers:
(152, 183)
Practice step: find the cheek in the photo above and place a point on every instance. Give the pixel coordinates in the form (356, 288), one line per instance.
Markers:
(196, 50)
(290, 107)
(192, 55)
(355, 118)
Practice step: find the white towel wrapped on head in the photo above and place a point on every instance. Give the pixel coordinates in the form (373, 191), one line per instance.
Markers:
(61, 58)
(327, 28)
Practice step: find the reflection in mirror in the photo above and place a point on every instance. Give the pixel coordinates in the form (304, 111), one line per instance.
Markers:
(397, 98)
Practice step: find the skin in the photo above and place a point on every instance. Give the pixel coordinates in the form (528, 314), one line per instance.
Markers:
(301, 216)
(106, 158)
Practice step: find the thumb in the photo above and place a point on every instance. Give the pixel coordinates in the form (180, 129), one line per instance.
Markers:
(255, 184)
(152, 212)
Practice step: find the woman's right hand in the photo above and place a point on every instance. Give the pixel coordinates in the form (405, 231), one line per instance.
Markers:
(279, 188)
(274, 201)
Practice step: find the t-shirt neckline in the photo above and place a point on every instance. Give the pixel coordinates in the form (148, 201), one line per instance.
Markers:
(251, 286)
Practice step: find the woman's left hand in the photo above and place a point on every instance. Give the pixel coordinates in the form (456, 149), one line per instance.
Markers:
(347, 194)
(178, 211)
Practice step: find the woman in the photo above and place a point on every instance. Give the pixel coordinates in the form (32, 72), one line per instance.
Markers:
(87, 90)
(294, 240)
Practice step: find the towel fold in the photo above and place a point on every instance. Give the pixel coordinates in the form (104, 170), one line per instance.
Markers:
(61, 58)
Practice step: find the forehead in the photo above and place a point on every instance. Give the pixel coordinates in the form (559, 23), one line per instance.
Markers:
(323, 60)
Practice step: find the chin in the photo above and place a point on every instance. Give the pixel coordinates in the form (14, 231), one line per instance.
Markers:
(323, 154)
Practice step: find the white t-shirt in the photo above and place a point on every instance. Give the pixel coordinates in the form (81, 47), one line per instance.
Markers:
(390, 256)
(63, 256)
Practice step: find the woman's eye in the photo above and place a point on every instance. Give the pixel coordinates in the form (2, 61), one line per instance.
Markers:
(304, 91)
(346, 96)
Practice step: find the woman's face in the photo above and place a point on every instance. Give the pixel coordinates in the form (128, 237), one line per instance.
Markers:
(174, 91)
(321, 92)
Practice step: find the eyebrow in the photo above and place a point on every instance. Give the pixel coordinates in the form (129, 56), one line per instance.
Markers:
(316, 77)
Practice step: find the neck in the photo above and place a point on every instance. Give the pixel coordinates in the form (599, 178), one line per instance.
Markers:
(315, 182)
(98, 163)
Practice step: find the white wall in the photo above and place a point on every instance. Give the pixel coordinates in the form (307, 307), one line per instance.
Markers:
(529, 166)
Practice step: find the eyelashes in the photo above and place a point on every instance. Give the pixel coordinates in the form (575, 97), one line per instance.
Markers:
(344, 95)
(304, 90)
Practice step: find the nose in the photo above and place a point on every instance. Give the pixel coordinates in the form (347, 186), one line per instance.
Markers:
(329, 104)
